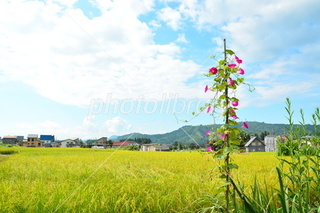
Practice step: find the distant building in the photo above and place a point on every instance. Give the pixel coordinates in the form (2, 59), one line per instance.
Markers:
(101, 142)
(255, 145)
(125, 143)
(155, 147)
(56, 144)
(20, 140)
(32, 141)
(13, 140)
(72, 142)
(32, 137)
(271, 143)
(47, 140)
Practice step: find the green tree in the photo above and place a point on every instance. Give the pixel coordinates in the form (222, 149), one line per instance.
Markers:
(263, 135)
(178, 146)
(109, 143)
(193, 146)
(138, 140)
(244, 138)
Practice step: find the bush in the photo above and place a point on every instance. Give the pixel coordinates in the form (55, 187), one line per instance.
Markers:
(131, 148)
(7, 152)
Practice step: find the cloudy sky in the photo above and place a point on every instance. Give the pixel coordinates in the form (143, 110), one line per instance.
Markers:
(92, 68)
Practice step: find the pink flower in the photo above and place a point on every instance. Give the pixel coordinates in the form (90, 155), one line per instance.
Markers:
(232, 65)
(206, 88)
(235, 103)
(208, 109)
(223, 136)
(209, 149)
(231, 82)
(234, 116)
(232, 112)
(245, 125)
(208, 132)
(238, 60)
(213, 70)
(241, 71)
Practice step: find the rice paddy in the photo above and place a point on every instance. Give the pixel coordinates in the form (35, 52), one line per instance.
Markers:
(90, 180)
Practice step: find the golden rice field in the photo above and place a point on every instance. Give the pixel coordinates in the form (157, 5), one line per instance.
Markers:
(91, 180)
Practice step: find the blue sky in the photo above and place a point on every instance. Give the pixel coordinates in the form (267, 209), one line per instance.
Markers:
(94, 68)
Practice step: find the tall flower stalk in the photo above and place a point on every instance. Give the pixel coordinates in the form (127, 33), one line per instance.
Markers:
(227, 76)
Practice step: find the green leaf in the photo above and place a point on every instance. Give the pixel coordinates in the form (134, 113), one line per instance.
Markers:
(225, 127)
(222, 62)
(234, 99)
(221, 157)
(221, 87)
(227, 150)
(236, 131)
(230, 52)
(223, 176)
(232, 166)
(219, 142)
(233, 123)
(222, 97)
(235, 142)
(240, 80)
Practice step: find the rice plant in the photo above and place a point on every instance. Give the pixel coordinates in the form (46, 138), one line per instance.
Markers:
(87, 180)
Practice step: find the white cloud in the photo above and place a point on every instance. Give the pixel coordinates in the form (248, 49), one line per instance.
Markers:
(154, 24)
(171, 17)
(45, 127)
(117, 125)
(67, 3)
(210, 13)
(127, 7)
(182, 38)
(278, 40)
(71, 59)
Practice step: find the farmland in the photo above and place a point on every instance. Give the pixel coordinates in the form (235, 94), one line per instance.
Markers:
(89, 180)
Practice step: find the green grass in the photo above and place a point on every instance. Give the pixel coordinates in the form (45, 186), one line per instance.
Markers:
(4, 150)
(87, 180)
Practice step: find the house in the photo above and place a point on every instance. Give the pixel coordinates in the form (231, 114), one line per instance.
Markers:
(125, 143)
(32, 141)
(56, 144)
(72, 142)
(13, 140)
(155, 147)
(47, 140)
(20, 140)
(271, 143)
(255, 145)
(101, 142)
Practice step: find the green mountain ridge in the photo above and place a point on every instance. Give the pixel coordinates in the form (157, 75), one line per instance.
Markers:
(196, 134)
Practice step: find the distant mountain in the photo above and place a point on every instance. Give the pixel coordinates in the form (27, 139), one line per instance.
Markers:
(196, 134)
(113, 137)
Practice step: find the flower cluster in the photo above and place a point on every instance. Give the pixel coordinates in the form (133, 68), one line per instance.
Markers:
(227, 76)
